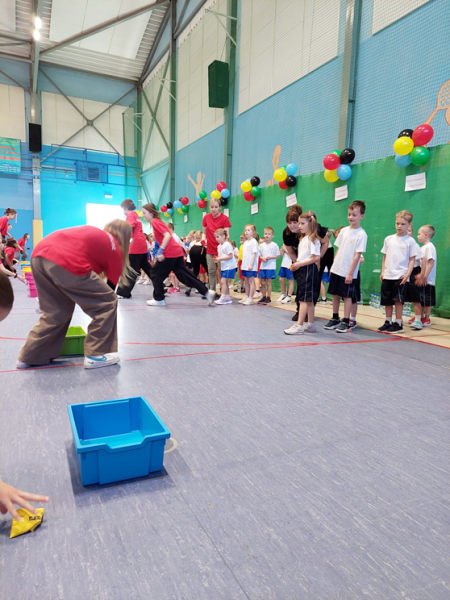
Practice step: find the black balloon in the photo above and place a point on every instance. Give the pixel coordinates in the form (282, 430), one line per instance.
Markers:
(255, 181)
(169, 205)
(406, 133)
(347, 156)
(224, 201)
(291, 181)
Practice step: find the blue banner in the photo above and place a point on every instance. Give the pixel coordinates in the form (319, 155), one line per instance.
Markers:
(10, 161)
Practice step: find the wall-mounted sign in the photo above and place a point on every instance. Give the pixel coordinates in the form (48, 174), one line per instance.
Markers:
(10, 161)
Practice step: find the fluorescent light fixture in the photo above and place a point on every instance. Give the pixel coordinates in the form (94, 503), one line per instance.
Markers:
(108, 196)
(37, 35)
(38, 22)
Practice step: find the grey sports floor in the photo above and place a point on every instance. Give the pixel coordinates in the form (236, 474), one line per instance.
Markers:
(313, 467)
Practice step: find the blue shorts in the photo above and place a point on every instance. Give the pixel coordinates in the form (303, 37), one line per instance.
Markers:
(228, 274)
(326, 277)
(267, 274)
(249, 273)
(286, 272)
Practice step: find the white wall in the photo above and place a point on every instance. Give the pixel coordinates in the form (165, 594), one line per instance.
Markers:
(386, 12)
(60, 120)
(12, 112)
(156, 151)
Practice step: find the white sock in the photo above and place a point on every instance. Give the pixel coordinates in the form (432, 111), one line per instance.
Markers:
(399, 321)
(389, 319)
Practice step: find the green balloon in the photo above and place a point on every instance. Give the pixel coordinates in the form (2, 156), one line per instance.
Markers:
(255, 191)
(283, 167)
(337, 152)
(419, 155)
(203, 195)
(184, 208)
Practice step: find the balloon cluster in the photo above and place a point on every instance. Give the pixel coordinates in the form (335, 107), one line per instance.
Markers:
(286, 176)
(201, 199)
(409, 147)
(337, 165)
(221, 193)
(251, 188)
(182, 205)
(167, 209)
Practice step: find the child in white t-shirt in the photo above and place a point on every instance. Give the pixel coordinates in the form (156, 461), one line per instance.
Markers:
(269, 252)
(426, 280)
(398, 262)
(308, 278)
(249, 268)
(344, 276)
(227, 262)
(285, 273)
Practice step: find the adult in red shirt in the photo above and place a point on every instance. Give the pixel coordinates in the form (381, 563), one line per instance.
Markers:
(169, 257)
(138, 249)
(211, 222)
(72, 266)
(10, 214)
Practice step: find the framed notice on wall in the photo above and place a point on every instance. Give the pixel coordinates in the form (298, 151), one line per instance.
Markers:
(10, 161)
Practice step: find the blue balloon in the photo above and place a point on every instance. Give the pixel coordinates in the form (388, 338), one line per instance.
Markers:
(177, 204)
(198, 198)
(291, 169)
(225, 193)
(170, 211)
(402, 161)
(344, 172)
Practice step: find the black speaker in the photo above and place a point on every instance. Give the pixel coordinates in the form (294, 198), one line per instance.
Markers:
(34, 137)
(218, 83)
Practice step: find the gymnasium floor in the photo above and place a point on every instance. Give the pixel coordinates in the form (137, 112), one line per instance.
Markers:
(311, 467)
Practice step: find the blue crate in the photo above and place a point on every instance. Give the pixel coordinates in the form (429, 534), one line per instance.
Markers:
(117, 439)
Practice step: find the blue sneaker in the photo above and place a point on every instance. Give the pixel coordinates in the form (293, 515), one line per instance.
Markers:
(95, 362)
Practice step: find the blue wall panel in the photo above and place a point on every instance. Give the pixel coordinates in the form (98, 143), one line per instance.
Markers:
(154, 184)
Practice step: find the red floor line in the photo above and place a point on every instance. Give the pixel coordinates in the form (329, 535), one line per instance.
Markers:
(206, 344)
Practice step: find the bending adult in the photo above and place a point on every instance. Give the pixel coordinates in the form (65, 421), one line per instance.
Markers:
(10, 214)
(138, 250)
(80, 265)
(211, 222)
(169, 257)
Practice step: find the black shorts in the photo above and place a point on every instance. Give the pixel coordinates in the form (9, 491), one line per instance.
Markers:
(326, 261)
(308, 283)
(412, 290)
(428, 295)
(338, 287)
(392, 292)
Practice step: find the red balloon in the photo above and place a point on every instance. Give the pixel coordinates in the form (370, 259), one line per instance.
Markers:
(283, 185)
(163, 208)
(331, 162)
(422, 135)
(201, 203)
(248, 196)
(184, 200)
(221, 186)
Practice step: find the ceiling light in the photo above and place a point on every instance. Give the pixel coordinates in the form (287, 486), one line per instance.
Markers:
(37, 35)
(38, 22)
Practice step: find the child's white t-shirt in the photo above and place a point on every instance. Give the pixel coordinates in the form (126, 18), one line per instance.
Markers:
(250, 247)
(307, 248)
(398, 250)
(419, 254)
(429, 251)
(349, 241)
(223, 250)
(267, 250)
(287, 260)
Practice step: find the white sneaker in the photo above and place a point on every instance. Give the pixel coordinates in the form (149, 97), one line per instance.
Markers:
(95, 362)
(210, 295)
(21, 365)
(310, 327)
(242, 300)
(416, 324)
(282, 297)
(223, 300)
(147, 282)
(124, 297)
(248, 302)
(140, 280)
(154, 302)
(287, 299)
(294, 330)
(257, 294)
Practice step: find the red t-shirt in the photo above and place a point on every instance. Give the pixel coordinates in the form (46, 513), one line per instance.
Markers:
(173, 248)
(4, 226)
(139, 243)
(10, 251)
(81, 250)
(22, 243)
(211, 225)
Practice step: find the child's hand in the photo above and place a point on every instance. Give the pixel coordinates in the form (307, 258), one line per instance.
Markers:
(295, 266)
(348, 279)
(10, 496)
(20, 278)
(404, 279)
(381, 277)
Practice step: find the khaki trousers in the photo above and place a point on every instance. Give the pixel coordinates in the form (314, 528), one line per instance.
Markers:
(58, 292)
(212, 282)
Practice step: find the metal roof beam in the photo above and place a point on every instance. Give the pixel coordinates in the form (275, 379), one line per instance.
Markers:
(103, 26)
(15, 36)
(151, 54)
(179, 30)
(92, 73)
(14, 57)
(35, 48)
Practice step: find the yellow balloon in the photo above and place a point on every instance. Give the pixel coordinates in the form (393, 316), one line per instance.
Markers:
(215, 194)
(331, 176)
(166, 214)
(180, 211)
(403, 145)
(280, 175)
(246, 186)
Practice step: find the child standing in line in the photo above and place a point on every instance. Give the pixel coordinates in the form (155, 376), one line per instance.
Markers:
(241, 278)
(249, 264)
(269, 252)
(227, 263)
(308, 279)
(236, 256)
(398, 262)
(426, 280)
(344, 277)
(285, 273)
(412, 288)
(23, 246)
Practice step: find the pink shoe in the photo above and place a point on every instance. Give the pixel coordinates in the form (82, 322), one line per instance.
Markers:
(173, 290)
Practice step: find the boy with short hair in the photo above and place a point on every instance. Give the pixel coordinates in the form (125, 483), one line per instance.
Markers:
(398, 262)
(269, 252)
(426, 280)
(344, 275)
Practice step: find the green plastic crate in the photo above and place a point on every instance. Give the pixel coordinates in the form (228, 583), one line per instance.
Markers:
(74, 342)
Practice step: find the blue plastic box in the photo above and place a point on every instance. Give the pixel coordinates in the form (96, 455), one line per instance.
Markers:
(117, 439)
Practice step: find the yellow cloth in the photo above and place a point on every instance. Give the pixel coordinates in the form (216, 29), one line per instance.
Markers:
(28, 522)
(241, 249)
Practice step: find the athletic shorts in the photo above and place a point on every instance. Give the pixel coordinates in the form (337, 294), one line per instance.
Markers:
(248, 273)
(267, 274)
(229, 274)
(338, 287)
(412, 290)
(428, 295)
(308, 283)
(392, 292)
(286, 273)
(326, 277)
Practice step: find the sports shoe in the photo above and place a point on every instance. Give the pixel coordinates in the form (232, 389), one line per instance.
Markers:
(332, 324)
(385, 327)
(310, 327)
(173, 290)
(411, 320)
(353, 324)
(426, 322)
(140, 280)
(223, 300)
(188, 292)
(343, 327)
(123, 297)
(21, 365)
(322, 301)
(210, 295)
(287, 299)
(154, 302)
(282, 297)
(294, 330)
(242, 300)
(95, 362)
(147, 282)
(248, 302)
(295, 317)
(395, 328)
(262, 300)
(416, 324)
(257, 294)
